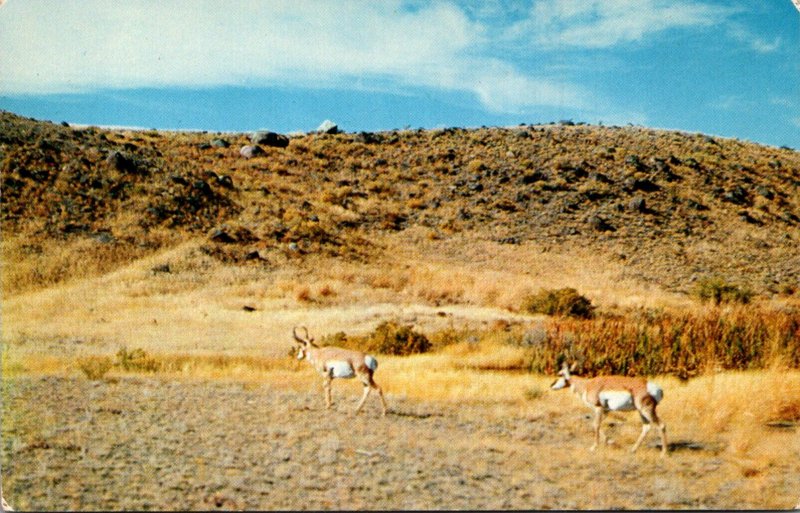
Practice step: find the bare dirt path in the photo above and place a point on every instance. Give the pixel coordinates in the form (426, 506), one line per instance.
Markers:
(143, 443)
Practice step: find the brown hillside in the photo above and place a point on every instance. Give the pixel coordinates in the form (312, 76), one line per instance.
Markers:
(671, 207)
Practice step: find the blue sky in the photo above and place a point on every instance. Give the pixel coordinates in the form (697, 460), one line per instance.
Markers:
(729, 68)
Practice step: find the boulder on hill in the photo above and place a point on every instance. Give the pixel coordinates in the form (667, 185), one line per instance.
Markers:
(251, 151)
(269, 139)
(328, 127)
(122, 162)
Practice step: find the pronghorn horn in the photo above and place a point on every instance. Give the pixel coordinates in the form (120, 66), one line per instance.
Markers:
(297, 338)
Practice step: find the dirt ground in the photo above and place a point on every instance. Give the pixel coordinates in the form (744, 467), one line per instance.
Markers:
(147, 443)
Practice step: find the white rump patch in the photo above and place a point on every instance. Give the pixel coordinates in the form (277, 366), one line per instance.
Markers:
(371, 362)
(655, 391)
(340, 369)
(616, 400)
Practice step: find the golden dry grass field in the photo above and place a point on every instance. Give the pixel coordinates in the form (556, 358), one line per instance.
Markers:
(148, 304)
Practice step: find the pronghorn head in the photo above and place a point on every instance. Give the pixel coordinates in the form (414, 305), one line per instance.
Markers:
(563, 380)
(305, 343)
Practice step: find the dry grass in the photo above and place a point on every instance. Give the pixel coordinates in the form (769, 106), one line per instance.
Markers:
(726, 414)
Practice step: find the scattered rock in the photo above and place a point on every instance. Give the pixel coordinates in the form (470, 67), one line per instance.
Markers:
(104, 237)
(368, 138)
(122, 162)
(738, 196)
(599, 224)
(696, 205)
(636, 162)
(637, 204)
(641, 184)
(225, 181)
(328, 127)
(745, 216)
(250, 151)
(270, 139)
(161, 268)
(765, 192)
(228, 235)
(222, 236)
(254, 255)
(202, 187)
(692, 163)
(220, 143)
(533, 177)
(599, 177)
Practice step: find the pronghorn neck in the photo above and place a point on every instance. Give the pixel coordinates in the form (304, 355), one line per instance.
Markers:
(312, 353)
(577, 384)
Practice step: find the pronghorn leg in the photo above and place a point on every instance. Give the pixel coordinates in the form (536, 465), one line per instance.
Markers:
(647, 411)
(662, 432)
(326, 384)
(598, 418)
(645, 430)
(380, 394)
(363, 398)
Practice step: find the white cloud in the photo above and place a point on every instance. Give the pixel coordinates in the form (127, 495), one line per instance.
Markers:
(605, 23)
(759, 44)
(74, 45)
(83, 45)
(78, 46)
(783, 101)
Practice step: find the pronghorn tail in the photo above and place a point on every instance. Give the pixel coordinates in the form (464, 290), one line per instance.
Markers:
(655, 391)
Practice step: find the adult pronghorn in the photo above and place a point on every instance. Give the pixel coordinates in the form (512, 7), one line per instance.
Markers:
(617, 393)
(336, 362)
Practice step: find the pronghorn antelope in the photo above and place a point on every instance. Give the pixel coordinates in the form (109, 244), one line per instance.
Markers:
(336, 362)
(617, 393)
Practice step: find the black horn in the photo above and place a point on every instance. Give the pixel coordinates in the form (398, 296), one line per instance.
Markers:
(307, 340)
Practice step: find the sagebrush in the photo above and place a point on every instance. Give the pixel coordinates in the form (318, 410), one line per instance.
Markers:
(565, 302)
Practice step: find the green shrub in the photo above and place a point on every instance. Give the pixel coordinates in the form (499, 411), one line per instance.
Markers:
(95, 367)
(136, 360)
(392, 338)
(719, 291)
(564, 302)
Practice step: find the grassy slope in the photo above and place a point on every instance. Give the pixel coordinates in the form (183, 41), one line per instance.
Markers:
(711, 207)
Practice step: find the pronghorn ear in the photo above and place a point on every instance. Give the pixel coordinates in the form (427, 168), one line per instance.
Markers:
(573, 366)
